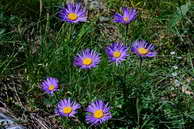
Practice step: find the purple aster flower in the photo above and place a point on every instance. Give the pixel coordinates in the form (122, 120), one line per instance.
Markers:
(50, 85)
(67, 108)
(98, 112)
(117, 52)
(128, 16)
(87, 59)
(143, 49)
(73, 13)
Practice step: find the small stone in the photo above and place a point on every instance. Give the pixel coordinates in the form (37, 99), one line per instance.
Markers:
(94, 4)
(103, 19)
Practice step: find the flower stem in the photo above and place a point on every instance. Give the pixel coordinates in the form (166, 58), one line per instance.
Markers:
(140, 63)
(126, 32)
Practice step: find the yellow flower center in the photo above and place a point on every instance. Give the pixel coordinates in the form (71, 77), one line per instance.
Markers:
(126, 19)
(51, 87)
(87, 61)
(98, 114)
(142, 51)
(72, 16)
(67, 110)
(116, 54)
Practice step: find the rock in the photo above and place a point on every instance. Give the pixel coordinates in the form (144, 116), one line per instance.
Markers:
(104, 19)
(6, 122)
(94, 4)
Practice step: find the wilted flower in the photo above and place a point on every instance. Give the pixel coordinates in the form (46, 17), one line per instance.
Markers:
(98, 112)
(175, 67)
(67, 108)
(73, 13)
(117, 52)
(128, 16)
(50, 85)
(87, 59)
(174, 74)
(143, 49)
(173, 53)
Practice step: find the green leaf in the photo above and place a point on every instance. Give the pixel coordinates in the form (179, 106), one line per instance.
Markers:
(179, 14)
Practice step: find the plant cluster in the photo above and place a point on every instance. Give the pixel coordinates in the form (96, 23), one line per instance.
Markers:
(98, 111)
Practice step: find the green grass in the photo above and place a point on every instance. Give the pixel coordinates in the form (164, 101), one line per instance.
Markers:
(37, 44)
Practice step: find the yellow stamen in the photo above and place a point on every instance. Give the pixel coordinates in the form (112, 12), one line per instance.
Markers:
(87, 61)
(126, 19)
(142, 51)
(72, 16)
(98, 114)
(116, 54)
(51, 87)
(67, 110)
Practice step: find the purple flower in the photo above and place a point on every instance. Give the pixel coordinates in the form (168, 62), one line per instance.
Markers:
(67, 108)
(74, 13)
(117, 52)
(98, 112)
(128, 16)
(50, 85)
(143, 49)
(87, 59)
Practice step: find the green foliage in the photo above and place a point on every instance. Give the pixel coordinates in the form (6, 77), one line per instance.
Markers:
(179, 14)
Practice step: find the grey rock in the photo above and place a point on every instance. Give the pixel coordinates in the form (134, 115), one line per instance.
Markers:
(6, 122)
(94, 4)
(104, 19)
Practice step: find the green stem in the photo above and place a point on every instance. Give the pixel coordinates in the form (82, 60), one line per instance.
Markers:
(70, 47)
(138, 111)
(89, 81)
(140, 64)
(126, 32)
